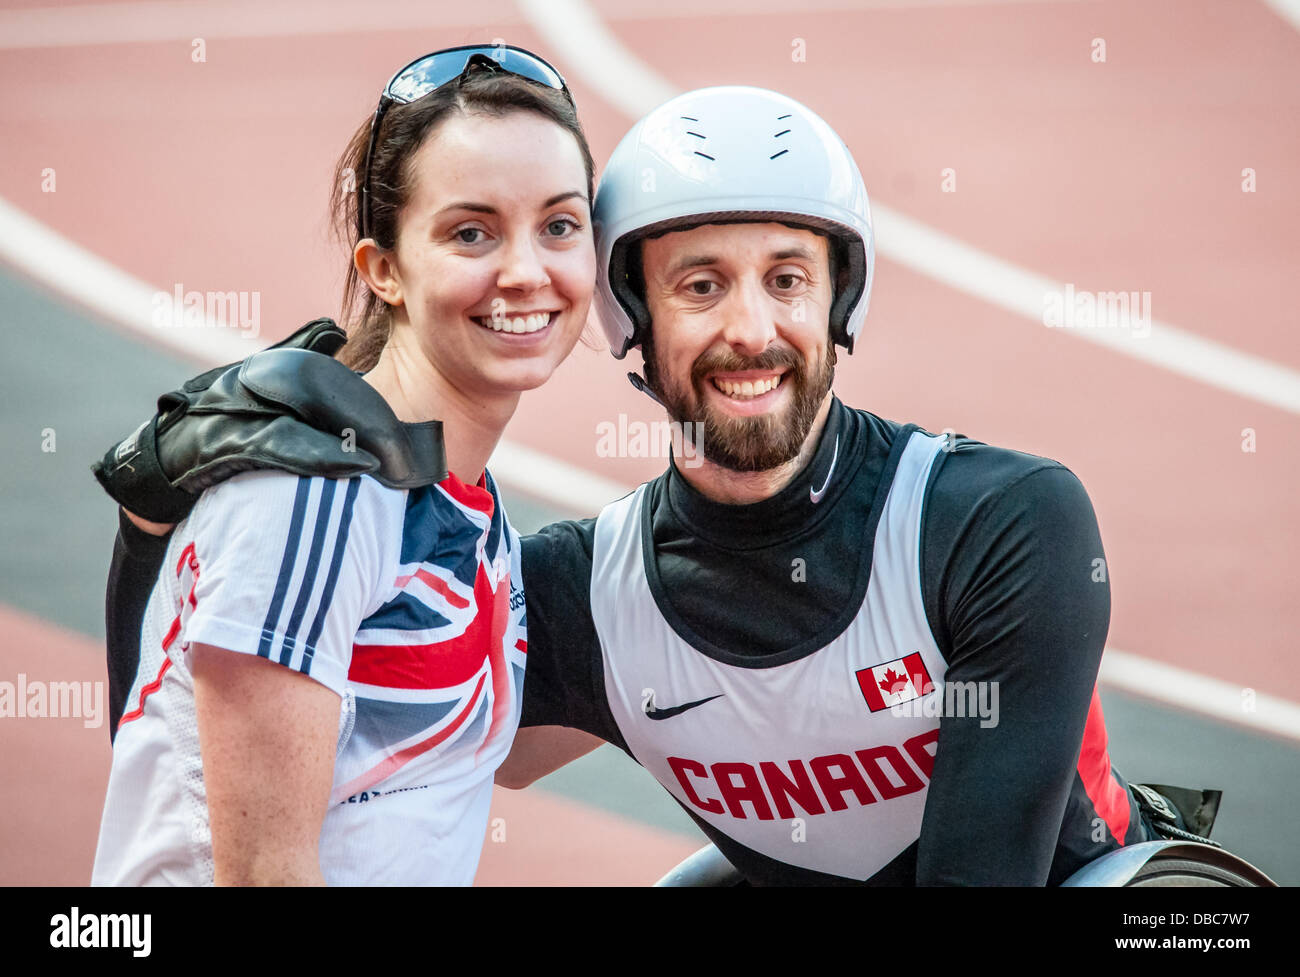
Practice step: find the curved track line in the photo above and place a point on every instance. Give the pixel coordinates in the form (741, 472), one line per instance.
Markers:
(75, 273)
(1209, 696)
(51, 259)
(610, 68)
(570, 25)
(1289, 10)
(158, 21)
(596, 54)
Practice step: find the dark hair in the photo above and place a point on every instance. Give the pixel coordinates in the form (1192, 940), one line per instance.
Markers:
(366, 317)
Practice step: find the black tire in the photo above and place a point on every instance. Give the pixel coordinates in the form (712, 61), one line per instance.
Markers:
(1183, 872)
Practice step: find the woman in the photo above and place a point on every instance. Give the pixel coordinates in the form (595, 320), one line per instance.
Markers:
(329, 672)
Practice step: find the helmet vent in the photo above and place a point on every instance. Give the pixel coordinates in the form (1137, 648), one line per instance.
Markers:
(783, 132)
(697, 135)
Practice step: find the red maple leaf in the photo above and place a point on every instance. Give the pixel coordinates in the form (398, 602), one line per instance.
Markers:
(893, 683)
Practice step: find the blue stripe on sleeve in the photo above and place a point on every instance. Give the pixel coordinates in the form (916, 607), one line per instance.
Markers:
(309, 573)
(336, 561)
(286, 566)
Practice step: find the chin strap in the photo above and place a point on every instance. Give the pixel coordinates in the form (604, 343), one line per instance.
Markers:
(643, 385)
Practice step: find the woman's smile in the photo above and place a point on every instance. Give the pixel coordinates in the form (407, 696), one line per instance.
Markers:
(517, 323)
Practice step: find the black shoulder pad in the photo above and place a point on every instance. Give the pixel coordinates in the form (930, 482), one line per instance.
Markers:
(324, 393)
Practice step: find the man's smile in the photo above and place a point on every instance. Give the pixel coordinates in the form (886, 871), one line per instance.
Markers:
(748, 384)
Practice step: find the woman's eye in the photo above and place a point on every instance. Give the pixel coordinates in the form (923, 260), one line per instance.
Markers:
(558, 228)
(462, 237)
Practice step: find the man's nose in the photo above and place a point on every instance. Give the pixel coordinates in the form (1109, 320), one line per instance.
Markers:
(749, 327)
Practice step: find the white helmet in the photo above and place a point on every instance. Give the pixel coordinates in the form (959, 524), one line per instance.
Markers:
(718, 155)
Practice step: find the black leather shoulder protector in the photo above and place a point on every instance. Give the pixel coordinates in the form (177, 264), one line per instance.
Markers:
(323, 393)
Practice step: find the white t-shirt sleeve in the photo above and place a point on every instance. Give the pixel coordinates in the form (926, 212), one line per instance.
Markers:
(288, 568)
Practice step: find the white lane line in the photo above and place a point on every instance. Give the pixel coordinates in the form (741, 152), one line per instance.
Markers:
(967, 269)
(660, 9)
(58, 263)
(160, 21)
(565, 487)
(592, 51)
(75, 273)
(63, 266)
(1178, 687)
(1288, 10)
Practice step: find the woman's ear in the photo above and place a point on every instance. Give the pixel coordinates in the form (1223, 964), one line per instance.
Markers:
(378, 269)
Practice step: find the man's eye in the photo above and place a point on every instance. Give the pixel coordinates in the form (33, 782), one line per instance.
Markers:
(786, 282)
(701, 287)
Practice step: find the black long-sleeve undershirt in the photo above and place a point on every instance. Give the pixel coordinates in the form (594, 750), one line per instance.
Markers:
(1015, 592)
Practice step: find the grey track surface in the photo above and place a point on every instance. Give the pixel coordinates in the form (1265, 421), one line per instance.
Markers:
(90, 386)
(67, 372)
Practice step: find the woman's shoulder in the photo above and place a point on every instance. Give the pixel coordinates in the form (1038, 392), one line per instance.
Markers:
(270, 505)
(272, 485)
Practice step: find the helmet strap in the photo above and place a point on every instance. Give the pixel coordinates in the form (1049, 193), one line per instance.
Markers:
(643, 385)
(850, 266)
(627, 281)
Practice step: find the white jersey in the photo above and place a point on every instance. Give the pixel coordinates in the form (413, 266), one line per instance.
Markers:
(798, 761)
(400, 602)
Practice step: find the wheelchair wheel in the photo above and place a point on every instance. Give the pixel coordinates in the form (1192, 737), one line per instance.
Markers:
(1183, 872)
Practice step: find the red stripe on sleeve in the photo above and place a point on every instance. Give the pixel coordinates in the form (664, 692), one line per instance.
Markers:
(1108, 797)
(147, 691)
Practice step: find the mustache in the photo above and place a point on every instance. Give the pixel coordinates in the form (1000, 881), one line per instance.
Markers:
(729, 361)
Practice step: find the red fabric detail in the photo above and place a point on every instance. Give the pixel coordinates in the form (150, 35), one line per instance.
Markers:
(1108, 797)
(147, 691)
(436, 584)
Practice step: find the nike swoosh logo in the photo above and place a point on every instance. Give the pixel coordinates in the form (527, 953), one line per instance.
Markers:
(653, 713)
(816, 494)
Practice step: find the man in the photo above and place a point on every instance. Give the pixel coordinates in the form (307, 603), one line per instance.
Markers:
(768, 633)
(853, 651)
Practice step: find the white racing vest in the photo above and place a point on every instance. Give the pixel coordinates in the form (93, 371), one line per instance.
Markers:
(822, 763)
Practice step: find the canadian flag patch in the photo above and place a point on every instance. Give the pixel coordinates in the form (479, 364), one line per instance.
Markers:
(891, 683)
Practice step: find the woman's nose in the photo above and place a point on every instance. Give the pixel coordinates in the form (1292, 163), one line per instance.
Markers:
(521, 267)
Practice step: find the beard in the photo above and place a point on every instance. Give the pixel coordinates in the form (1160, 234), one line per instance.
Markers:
(745, 444)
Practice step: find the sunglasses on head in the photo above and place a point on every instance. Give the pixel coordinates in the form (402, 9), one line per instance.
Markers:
(427, 74)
